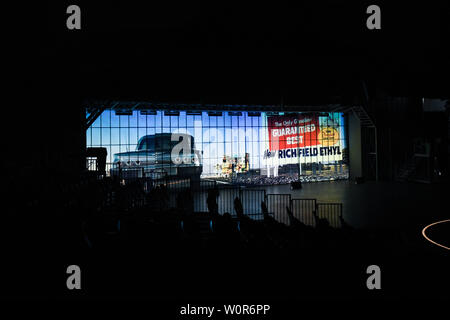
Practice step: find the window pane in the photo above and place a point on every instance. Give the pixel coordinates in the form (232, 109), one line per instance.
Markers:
(114, 150)
(234, 121)
(106, 135)
(133, 136)
(182, 119)
(96, 136)
(115, 134)
(248, 120)
(166, 121)
(142, 132)
(212, 121)
(124, 136)
(89, 137)
(174, 122)
(106, 119)
(190, 121)
(220, 120)
(227, 119)
(114, 120)
(133, 119)
(123, 120)
(141, 120)
(242, 119)
(96, 123)
(205, 119)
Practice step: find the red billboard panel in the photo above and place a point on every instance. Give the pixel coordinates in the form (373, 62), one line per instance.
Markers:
(293, 131)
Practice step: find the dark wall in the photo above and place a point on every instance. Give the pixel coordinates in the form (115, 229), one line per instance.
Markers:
(400, 122)
(267, 56)
(44, 135)
(354, 134)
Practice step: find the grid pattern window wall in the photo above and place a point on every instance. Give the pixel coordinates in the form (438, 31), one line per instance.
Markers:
(225, 138)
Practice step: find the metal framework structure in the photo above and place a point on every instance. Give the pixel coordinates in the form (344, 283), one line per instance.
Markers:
(369, 134)
(95, 108)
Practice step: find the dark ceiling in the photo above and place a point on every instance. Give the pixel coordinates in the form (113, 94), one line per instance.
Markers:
(311, 54)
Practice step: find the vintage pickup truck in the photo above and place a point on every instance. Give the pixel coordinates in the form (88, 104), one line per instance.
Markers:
(153, 158)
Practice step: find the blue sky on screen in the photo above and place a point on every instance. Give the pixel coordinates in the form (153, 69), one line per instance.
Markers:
(215, 135)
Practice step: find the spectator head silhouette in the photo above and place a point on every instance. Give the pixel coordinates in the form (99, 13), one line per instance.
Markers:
(238, 207)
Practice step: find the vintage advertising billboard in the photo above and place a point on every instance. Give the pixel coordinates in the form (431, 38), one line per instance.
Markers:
(311, 136)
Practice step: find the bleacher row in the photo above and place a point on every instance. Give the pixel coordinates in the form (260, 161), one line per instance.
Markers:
(113, 210)
(136, 192)
(303, 209)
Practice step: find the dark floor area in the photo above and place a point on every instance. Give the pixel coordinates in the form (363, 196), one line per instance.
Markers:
(129, 248)
(379, 204)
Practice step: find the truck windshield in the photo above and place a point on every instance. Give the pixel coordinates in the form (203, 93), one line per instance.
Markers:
(161, 143)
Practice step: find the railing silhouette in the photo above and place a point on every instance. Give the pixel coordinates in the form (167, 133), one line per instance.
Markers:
(276, 205)
(330, 211)
(305, 210)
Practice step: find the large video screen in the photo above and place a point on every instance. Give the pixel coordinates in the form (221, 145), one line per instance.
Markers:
(237, 147)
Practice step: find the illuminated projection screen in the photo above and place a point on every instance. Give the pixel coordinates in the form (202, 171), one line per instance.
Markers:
(250, 148)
